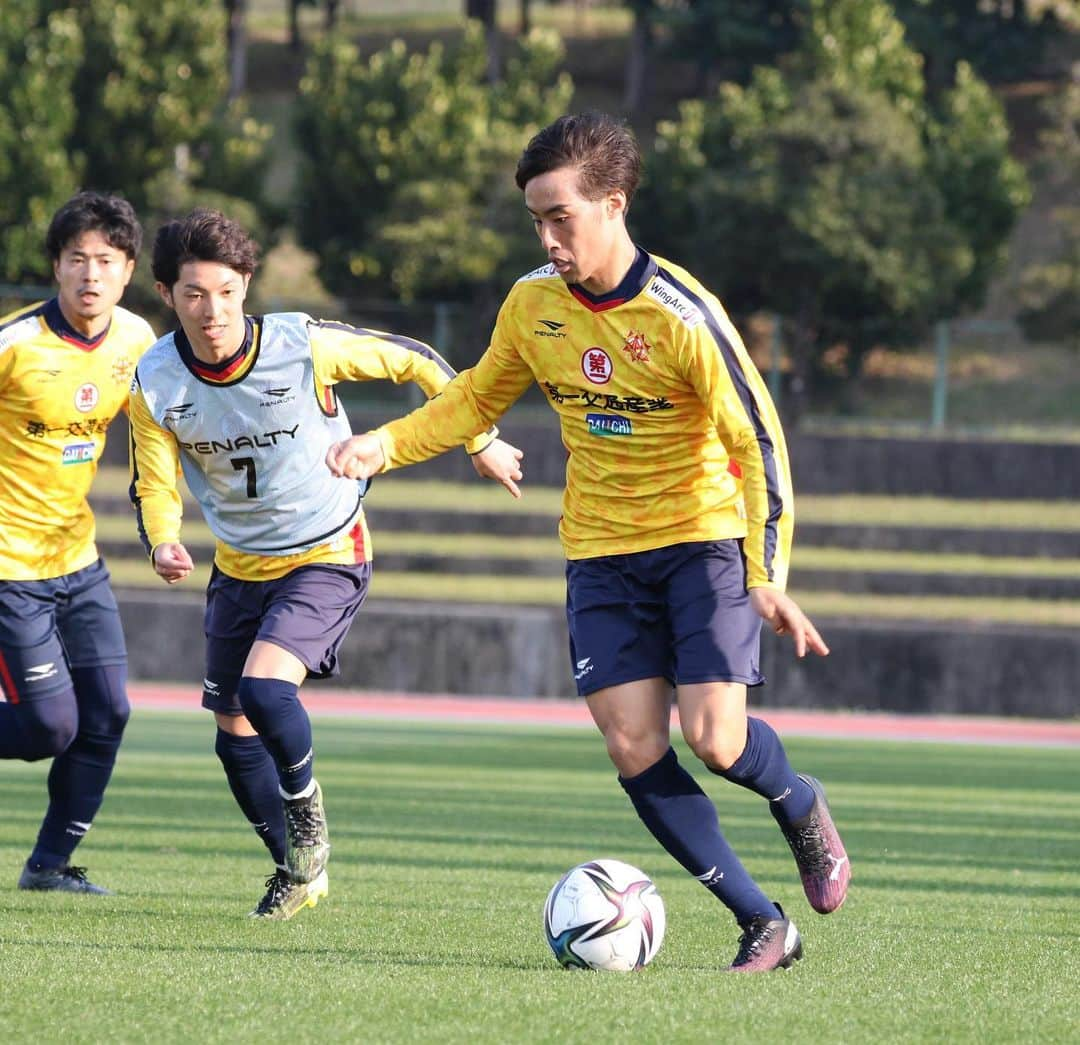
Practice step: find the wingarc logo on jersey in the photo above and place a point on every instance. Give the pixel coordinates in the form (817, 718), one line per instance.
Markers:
(687, 311)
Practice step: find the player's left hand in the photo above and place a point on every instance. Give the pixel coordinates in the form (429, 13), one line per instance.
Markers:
(783, 613)
(358, 457)
(502, 462)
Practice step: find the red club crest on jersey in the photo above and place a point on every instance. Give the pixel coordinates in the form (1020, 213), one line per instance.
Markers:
(121, 370)
(86, 398)
(596, 365)
(637, 348)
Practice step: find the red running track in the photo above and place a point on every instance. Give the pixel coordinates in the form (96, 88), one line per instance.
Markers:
(957, 729)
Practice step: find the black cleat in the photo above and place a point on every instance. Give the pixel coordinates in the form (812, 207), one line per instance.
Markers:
(767, 944)
(284, 897)
(60, 880)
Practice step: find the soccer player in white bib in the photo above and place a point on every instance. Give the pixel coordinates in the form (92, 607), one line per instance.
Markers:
(245, 406)
(677, 516)
(65, 367)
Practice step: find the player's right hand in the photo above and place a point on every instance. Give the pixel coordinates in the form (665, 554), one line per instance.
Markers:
(359, 457)
(172, 562)
(783, 613)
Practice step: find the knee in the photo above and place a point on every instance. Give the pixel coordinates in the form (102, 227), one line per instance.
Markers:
(719, 747)
(102, 695)
(48, 728)
(253, 696)
(633, 753)
(116, 719)
(266, 703)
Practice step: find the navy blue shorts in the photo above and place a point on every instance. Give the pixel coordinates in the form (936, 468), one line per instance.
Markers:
(681, 613)
(307, 612)
(48, 627)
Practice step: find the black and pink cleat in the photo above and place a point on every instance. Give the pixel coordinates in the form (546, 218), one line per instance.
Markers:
(767, 944)
(821, 857)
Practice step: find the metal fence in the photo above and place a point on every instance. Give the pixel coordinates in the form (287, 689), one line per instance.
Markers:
(977, 376)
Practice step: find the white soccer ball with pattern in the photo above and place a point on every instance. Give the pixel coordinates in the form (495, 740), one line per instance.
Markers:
(604, 914)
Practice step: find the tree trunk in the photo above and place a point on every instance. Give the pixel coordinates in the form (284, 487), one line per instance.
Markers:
(484, 10)
(295, 42)
(236, 39)
(332, 8)
(802, 334)
(637, 60)
(525, 22)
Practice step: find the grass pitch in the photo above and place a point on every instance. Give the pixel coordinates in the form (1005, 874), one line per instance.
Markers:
(963, 923)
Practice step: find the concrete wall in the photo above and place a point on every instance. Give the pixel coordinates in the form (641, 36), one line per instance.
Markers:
(938, 467)
(827, 464)
(436, 648)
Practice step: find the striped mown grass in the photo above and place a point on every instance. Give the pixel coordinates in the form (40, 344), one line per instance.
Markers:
(961, 925)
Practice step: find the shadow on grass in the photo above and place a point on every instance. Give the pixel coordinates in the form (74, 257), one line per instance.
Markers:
(376, 955)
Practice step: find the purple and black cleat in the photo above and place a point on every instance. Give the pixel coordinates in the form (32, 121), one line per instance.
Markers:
(767, 944)
(822, 859)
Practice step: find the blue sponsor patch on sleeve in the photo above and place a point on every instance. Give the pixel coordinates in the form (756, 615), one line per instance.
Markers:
(609, 424)
(78, 453)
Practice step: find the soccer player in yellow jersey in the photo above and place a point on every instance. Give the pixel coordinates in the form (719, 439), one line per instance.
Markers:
(65, 368)
(677, 516)
(246, 407)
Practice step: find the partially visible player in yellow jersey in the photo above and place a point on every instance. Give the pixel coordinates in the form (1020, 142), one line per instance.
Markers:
(677, 516)
(246, 406)
(65, 368)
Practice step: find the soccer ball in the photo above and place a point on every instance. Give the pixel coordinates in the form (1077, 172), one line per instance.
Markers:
(604, 915)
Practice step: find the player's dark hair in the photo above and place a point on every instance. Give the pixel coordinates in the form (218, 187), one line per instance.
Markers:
(204, 235)
(602, 148)
(91, 211)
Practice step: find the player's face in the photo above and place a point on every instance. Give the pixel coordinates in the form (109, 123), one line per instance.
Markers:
(209, 302)
(579, 236)
(92, 275)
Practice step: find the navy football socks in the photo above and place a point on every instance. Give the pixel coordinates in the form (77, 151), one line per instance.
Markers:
(79, 775)
(763, 768)
(253, 780)
(682, 818)
(273, 707)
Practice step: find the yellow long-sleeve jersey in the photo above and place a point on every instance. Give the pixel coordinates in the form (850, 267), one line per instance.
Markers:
(60, 392)
(251, 434)
(671, 434)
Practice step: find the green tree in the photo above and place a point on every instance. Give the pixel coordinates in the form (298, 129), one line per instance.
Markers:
(729, 38)
(832, 193)
(150, 106)
(38, 57)
(1050, 290)
(406, 184)
(1003, 40)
